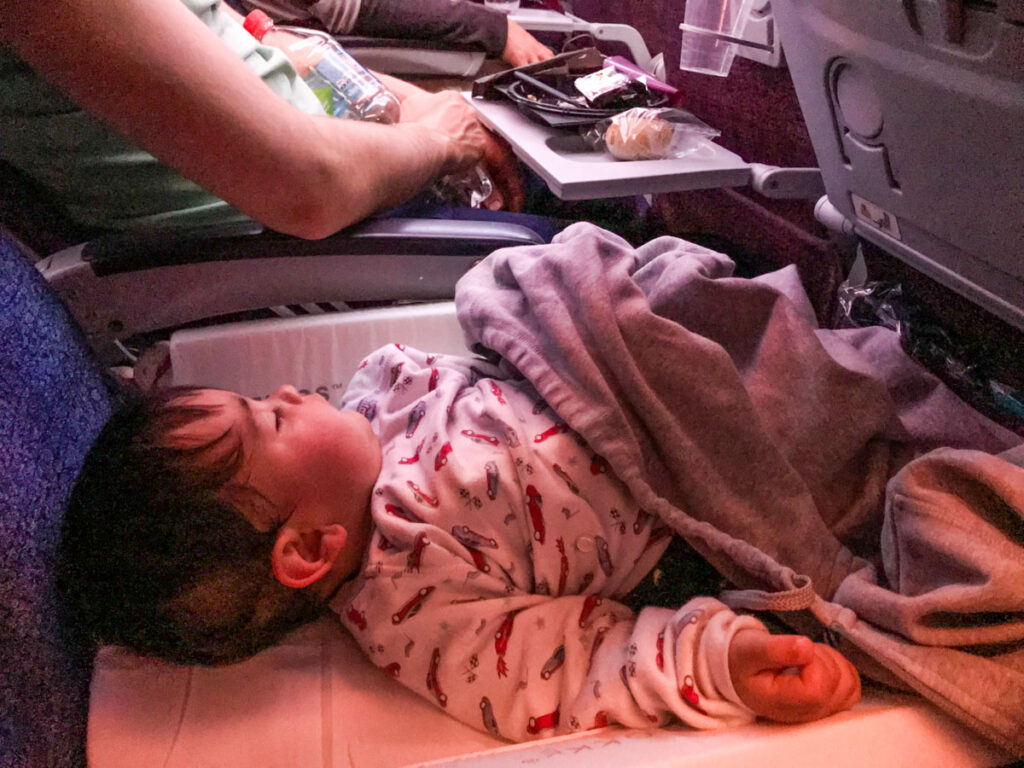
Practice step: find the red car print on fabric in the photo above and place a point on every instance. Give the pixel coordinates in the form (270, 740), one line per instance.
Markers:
(415, 457)
(487, 713)
(508, 434)
(412, 562)
(402, 513)
(598, 466)
(554, 663)
(432, 382)
(421, 495)
(543, 723)
(491, 470)
(563, 566)
(412, 606)
(603, 557)
(689, 693)
(555, 429)
(396, 371)
(367, 408)
(534, 505)
(566, 479)
(442, 456)
(690, 617)
(357, 617)
(501, 638)
(642, 518)
(394, 669)
(478, 560)
(469, 538)
(589, 604)
(480, 437)
(496, 391)
(433, 684)
(415, 417)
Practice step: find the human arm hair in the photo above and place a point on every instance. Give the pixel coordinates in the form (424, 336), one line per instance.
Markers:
(154, 72)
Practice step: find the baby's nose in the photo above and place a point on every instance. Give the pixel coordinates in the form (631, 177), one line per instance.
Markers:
(288, 394)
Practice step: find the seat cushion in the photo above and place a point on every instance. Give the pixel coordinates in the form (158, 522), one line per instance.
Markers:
(53, 401)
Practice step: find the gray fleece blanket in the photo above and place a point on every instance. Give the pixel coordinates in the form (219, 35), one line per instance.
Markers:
(826, 475)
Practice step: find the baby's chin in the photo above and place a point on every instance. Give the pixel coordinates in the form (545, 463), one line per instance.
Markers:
(364, 424)
(363, 429)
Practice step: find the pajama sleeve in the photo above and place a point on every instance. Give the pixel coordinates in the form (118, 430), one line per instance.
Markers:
(527, 666)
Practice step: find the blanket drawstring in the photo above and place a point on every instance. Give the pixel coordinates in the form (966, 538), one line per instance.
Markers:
(800, 598)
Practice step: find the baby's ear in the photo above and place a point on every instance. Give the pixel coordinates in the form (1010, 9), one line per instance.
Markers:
(300, 558)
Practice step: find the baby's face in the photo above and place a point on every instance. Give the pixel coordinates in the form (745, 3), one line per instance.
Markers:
(315, 465)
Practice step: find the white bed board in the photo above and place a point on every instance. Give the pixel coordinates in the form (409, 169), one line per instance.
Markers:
(314, 353)
(315, 701)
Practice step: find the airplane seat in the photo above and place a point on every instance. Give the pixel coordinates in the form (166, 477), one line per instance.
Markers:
(120, 284)
(31, 216)
(53, 401)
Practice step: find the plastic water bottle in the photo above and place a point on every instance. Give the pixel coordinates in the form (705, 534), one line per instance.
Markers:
(348, 90)
(345, 88)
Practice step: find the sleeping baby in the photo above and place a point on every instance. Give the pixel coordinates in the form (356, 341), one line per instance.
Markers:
(474, 545)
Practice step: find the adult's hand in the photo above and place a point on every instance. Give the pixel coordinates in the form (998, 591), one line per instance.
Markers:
(449, 113)
(522, 48)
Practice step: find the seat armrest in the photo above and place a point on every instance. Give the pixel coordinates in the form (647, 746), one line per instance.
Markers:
(121, 285)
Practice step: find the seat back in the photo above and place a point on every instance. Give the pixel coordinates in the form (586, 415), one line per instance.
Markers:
(916, 111)
(53, 401)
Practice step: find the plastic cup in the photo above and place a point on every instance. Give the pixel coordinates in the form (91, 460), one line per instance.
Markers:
(703, 21)
(505, 6)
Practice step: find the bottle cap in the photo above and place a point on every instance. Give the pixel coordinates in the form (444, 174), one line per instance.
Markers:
(257, 24)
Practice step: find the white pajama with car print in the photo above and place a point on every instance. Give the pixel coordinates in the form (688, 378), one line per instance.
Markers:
(500, 544)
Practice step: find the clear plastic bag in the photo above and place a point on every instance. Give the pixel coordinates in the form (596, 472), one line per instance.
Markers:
(469, 188)
(651, 134)
(965, 369)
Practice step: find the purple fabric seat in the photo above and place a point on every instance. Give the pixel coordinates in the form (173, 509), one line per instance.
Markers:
(53, 401)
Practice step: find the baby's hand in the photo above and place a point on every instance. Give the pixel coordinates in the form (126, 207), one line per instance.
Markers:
(790, 679)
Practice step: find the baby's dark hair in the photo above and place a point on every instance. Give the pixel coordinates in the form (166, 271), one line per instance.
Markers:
(151, 557)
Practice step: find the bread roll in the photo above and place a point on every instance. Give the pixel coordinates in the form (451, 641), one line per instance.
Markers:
(637, 135)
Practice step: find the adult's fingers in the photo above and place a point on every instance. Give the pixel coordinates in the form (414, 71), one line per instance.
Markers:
(501, 165)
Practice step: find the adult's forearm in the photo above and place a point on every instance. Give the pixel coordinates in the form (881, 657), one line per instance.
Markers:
(157, 74)
(441, 20)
